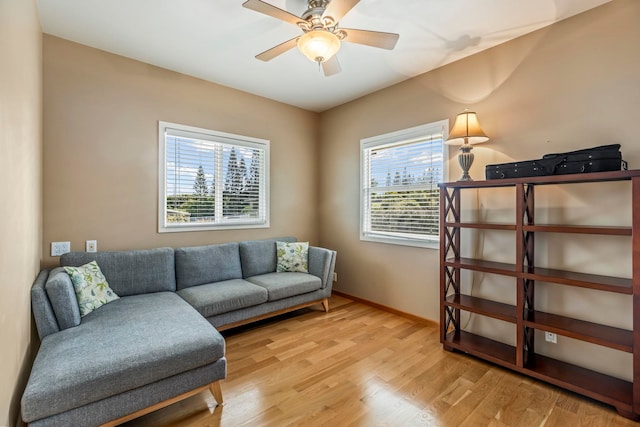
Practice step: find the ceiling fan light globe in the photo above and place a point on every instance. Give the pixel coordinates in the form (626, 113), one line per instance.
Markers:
(319, 45)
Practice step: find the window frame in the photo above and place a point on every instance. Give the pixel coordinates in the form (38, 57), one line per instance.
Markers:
(396, 138)
(219, 137)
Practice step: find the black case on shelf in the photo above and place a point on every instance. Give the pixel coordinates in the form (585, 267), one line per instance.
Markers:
(596, 159)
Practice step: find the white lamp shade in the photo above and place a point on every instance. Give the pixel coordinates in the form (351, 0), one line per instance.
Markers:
(319, 45)
(466, 127)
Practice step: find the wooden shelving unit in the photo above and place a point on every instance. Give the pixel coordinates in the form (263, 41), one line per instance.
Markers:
(623, 395)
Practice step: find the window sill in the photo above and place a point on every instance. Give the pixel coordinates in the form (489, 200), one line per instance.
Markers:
(427, 244)
(188, 228)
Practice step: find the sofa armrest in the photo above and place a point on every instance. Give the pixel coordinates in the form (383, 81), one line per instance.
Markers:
(322, 263)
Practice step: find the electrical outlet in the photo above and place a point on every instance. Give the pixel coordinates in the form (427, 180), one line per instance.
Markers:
(91, 246)
(59, 248)
(335, 277)
(551, 337)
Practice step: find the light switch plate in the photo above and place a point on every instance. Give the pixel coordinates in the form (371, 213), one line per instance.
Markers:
(59, 248)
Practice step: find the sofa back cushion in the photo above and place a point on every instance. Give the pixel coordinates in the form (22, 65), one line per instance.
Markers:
(131, 272)
(259, 256)
(63, 298)
(199, 265)
(46, 321)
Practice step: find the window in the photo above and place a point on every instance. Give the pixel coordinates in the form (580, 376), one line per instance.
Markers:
(400, 172)
(211, 180)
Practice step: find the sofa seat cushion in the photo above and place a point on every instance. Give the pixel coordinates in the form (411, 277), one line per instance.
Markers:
(222, 297)
(284, 285)
(128, 343)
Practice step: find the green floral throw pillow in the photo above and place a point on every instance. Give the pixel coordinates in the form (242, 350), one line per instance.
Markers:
(293, 257)
(92, 289)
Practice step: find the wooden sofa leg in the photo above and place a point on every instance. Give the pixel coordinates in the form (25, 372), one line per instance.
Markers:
(216, 391)
(325, 304)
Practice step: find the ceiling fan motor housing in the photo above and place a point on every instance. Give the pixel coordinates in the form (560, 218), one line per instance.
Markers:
(313, 16)
(315, 7)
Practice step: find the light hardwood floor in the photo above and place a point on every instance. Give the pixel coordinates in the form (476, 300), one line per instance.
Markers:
(361, 366)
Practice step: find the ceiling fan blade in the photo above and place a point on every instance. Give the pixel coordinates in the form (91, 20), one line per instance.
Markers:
(274, 12)
(371, 38)
(269, 54)
(338, 8)
(331, 67)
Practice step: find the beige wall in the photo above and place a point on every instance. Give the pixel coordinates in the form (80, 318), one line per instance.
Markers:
(101, 115)
(21, 192)
(572, 85)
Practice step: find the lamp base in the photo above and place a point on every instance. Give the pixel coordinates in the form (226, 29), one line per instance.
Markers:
(465, 159)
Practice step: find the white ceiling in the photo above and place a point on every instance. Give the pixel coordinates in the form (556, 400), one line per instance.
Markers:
(217, 40)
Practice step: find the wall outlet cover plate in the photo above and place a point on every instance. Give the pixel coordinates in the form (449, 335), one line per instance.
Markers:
(91, 246)
(551, 337)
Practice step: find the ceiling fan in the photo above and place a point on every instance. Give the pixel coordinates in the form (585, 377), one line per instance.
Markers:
(321, 36)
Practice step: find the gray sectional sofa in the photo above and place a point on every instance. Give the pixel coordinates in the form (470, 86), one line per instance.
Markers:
(159, 342)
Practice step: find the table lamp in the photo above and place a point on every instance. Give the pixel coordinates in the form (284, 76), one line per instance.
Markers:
(465, 132)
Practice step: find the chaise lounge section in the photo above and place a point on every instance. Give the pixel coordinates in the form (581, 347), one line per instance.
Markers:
(144, 348)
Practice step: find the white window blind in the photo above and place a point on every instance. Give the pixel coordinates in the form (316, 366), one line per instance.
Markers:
(211, 180)
(400, 176)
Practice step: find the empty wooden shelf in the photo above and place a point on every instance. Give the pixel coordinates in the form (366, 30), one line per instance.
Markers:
(623, 395)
